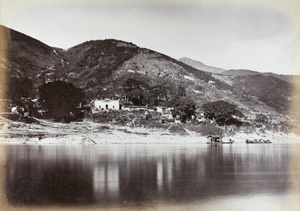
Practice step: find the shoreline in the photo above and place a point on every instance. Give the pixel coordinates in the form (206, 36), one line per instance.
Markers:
(75, 133)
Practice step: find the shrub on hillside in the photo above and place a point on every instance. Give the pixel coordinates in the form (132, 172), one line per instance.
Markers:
(121, 120)
(261, 118)
(156, 124)
(105, 116)
(101, 117)
(229, 121)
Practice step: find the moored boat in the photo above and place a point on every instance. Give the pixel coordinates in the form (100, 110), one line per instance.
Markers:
(260, 141)
(218, 140)
(230, 141)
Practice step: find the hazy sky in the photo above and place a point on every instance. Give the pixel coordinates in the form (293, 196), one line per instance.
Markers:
(230, 36)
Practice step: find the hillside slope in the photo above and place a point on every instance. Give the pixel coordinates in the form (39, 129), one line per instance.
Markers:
(27, 56)
(271, 89)
(103, 68)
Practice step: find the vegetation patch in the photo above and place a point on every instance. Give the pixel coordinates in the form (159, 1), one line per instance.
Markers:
(156, 124)
(178, 129)
(223, 112)
(61, 99)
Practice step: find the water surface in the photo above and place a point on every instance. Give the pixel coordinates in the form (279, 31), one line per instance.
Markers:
(148, 175)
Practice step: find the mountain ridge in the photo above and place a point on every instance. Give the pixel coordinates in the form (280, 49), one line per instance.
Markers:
(102, 67)
(232, 72)
(200, 66)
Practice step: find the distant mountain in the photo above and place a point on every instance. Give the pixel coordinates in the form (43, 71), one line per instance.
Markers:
(239, 72)
(106, 68)
(294, 79)
(200, 66)
(244, 72)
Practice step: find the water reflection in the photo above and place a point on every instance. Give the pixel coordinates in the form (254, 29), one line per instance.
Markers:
(142, 174)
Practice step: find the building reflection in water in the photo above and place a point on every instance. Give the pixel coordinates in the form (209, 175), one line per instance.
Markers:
(142, 174)
(106, 183)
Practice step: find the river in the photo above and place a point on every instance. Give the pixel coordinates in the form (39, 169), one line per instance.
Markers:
(240, 176)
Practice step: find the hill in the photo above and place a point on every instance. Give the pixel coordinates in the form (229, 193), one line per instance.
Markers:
(102, 67)
(270, 90)
(113, 68)
(28, 56)
(267, 88)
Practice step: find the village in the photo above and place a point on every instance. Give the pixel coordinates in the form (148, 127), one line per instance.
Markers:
(178, 115)
(105, 105)
(28, 107)
(120, 112)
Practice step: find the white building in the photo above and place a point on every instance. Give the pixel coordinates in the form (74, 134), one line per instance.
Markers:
(165, 111)
(107, 104)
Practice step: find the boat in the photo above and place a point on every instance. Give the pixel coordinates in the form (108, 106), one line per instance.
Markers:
(260, 141)
(218, 140)
(230, 141)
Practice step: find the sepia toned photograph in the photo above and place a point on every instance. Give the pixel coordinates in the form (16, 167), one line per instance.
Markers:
(150, 105)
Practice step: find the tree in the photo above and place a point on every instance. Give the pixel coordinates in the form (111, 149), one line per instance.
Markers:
(136, 91)
(222, 112)
(159, 94)
(60, 98)
(184, 107)
(181, 91)
(18, 88)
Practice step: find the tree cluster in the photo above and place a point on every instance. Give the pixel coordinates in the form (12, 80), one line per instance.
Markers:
(222, 112)
(61, 99)
(139, 92)
(18, 88)
(185, 108)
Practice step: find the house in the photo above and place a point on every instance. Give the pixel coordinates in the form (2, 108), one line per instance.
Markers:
(177, 119)
(25, 106)
(134, 108)
(164, 110)
(152, 109)
(107, 104)
(160, 109)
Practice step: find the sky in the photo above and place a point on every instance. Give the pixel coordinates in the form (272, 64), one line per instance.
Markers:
(227, 34)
